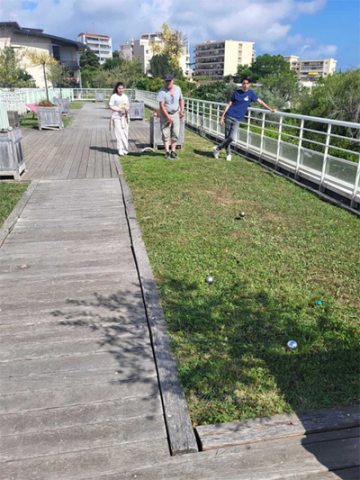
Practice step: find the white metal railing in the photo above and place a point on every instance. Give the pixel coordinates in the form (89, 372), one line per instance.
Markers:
(323, 151)
(87, 94)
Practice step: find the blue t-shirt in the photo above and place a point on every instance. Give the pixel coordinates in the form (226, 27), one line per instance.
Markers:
(240, 103)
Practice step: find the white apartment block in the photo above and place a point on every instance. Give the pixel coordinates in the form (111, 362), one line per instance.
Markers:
(311, 70)
(217, 59)
(101, 45)
(148, 45)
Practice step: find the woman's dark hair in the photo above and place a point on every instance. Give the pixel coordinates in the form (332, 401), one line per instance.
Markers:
(119, 84)
(248, 79)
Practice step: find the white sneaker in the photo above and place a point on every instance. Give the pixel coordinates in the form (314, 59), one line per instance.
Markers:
(216, 152)
(121, 153)
(228, 157)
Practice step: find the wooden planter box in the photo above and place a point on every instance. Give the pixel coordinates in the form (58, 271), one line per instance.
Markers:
(136, 110)
(155, 133)
(49, 117)
(12, 161)
(63, 103)
(14, 118)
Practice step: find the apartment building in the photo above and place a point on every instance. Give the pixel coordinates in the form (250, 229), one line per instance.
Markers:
(311, 70)
(101, 45)
(23, 40)
(148, 45)
(217, 59)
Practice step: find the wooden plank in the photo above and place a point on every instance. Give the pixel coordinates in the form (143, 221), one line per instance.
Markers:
(77, 464)
(273, 460)
(181, 434)
(108, 432)
(53, 390)
(37, 420)
(248, 431)
(90, 170)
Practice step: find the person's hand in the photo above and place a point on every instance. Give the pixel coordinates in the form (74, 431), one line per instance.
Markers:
(169, 120)
(222, 120)
(181, 114)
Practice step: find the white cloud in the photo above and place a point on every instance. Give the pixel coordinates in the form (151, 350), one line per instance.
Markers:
(266, 22)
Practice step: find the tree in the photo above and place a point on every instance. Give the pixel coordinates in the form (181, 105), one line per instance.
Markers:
(278, 84)
(89, 59)
(59, 75)
(172, 47)
(336, 96)
(11, 73)
(44, 59)
(128, 72)
(112, 63)
(160, 65)
(267, 65)
(243, 71)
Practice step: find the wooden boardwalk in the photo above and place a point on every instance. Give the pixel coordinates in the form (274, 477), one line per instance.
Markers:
(79, 390)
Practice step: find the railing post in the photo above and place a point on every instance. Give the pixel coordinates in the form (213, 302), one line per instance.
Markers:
(262, 133)
(279, 142)
(299, 148)
(326, 152)
(248, 128)
(197, 114)
(356, 184)
(217, 119)
(210, 117)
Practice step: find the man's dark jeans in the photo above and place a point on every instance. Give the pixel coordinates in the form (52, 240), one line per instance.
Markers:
(231, 128)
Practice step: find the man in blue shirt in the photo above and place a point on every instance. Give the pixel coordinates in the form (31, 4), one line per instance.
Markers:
(234, 112)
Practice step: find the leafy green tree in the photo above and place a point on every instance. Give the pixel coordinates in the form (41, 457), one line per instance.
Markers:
(269, 65)
(88, 59)
(11, 73)
(338, 97)
(59, 75)
(278, 85)
(215, 92)
(243, 71)
(160, 65)
(112, 63)
(128, 72)
(150, 84)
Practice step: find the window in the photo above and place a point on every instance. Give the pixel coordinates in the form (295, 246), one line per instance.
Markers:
(56, 52)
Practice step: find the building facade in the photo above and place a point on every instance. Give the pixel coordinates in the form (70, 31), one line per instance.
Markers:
(148, 45)
(101, 45)
(217, 59)
(311, 70)
(25, 40)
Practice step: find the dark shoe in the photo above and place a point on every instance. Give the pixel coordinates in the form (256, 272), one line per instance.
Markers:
(167, 155)
(173, 155)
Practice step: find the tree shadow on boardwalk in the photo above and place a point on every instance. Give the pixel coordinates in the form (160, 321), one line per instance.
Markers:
(238, 359)
(120, 328)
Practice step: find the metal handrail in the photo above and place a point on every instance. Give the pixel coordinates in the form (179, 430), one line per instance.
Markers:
(265, 134)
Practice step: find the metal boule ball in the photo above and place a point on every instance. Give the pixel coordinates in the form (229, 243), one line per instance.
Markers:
(242, 214)
(292, 344)
(209, 279)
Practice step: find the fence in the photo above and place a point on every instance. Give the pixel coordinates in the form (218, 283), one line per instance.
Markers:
(94, 94)
(321, 151)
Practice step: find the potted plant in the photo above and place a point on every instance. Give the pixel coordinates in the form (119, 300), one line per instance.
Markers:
(49, 115)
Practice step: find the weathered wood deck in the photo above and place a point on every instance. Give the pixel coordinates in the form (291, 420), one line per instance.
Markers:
(79, 391)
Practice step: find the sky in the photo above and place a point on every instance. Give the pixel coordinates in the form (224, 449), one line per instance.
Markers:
(307, 28)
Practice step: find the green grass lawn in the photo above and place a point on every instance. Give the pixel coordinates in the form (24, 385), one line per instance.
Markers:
(10, 194)
(290, 269)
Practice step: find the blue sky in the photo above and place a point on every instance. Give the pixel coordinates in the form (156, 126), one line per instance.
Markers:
(308, 28)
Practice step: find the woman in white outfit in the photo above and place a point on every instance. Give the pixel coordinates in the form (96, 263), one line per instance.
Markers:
(120, 106)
